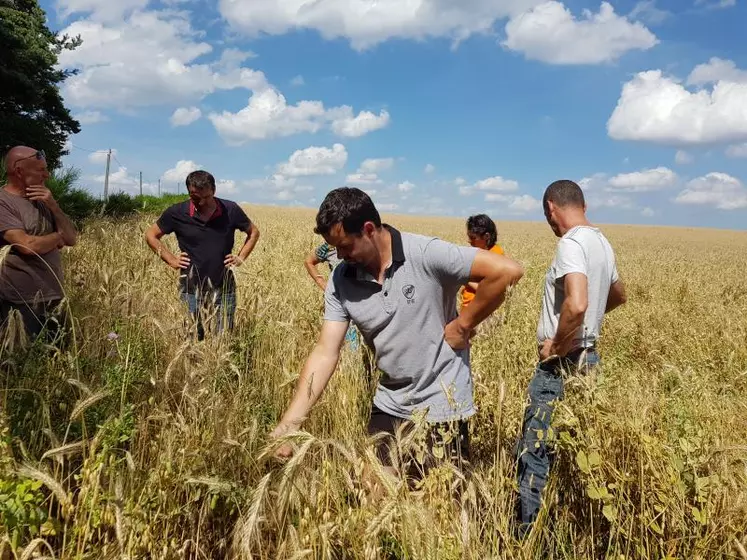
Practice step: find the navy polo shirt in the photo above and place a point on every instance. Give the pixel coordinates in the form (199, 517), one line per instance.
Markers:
(205, 242)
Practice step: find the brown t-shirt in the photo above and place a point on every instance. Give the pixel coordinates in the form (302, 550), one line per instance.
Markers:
(27, 278)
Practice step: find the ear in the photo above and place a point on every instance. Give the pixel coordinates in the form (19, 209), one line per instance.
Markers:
(368, 228)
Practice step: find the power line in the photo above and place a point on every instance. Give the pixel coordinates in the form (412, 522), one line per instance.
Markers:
(89, 151)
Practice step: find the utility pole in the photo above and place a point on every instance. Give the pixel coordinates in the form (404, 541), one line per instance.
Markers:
(141, 183)
(106, 176)
(159, 188)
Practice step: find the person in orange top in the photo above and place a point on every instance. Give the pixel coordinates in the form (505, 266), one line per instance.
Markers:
(481, 233)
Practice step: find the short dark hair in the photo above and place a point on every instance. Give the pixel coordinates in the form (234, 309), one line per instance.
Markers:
(200, 180)
(564, 193)
(480, 224)
(348, 206)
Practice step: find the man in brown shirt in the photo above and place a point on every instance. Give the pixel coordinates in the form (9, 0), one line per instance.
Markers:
(35, 228)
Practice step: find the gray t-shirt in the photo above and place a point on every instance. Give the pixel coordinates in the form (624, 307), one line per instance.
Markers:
(403, 322)
(585, 250)
(28, 278)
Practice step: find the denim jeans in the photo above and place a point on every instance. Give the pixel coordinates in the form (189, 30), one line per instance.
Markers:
(534, 455)
(209, 305)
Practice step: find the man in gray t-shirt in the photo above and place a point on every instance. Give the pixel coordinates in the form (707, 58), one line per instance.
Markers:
(400, 290)
(35, 228)
(581, 285)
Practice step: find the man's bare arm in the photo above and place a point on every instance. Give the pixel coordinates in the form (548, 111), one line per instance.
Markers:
(252, 236)
(314, 377)
(571, 313)
(153, 237)
(311, 262)
(33, 244)
(616, 297)
(493, 274)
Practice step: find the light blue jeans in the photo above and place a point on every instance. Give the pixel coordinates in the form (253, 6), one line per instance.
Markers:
(206, 306)
(534, 455)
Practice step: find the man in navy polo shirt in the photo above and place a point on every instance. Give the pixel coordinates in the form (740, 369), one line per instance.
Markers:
(205, 229)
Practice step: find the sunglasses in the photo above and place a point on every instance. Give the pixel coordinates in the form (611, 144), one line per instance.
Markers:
(39, 154)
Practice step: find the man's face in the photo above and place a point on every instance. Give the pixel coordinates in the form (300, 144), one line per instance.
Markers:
(200, 196)
(32, 171)
(551, 211)
(355, 249)
(477, 240)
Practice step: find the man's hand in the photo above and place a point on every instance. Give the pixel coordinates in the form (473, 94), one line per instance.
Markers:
(42, 194)
(285, 451)
(181, 262)
(457, 336)
(233, 260)
(546, 351)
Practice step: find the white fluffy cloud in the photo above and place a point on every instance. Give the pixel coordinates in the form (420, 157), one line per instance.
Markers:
(91, 117)
(345, 123)
(376, 165)
(737, 151)
(550, 33)
(315, 160)
(365, 23)
(179, 172)
(185, 116)
(100, 156)
(717, 190)
(268, 115)
(716, 70)
(120, 180)
(682, 157)
(147, 58)
(104, 10)
(657, 108)
(226, 186)
(405, 186)
(429, 168)
(491, 184)
(359, 179)
(643, 181)
(515, 204)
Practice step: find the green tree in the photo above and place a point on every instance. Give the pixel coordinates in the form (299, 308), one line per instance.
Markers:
(32, 112)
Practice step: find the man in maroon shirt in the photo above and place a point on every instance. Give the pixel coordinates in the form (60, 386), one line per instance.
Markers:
(205, 227)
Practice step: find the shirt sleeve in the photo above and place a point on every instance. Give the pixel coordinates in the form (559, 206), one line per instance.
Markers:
(448, 262)
(240, 220)
(334, 310)
(322, 252)
(615, 274)
(569, 258)
(9, 219)
(166, 222)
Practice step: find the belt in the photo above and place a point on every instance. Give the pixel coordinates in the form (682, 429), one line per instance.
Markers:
(571, 358)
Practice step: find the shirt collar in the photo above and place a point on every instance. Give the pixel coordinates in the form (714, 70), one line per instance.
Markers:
(216, 213)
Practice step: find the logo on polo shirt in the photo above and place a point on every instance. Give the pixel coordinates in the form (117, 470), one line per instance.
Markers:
(409, 292)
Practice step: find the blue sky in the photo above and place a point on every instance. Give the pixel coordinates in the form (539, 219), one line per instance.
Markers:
(432, 106)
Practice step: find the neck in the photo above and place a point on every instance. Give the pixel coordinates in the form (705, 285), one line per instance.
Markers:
(383, 242)
(14, 187)
(573, 220)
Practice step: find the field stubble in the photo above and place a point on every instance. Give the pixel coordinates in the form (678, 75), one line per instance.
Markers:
(133, 443)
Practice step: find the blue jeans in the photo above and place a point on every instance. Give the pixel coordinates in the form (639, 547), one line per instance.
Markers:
(533, 454)
(209, 305)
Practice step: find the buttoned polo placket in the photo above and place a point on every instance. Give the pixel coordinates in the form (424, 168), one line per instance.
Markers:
(386, 297)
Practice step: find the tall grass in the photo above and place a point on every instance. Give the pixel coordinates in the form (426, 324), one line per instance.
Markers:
(132, 442)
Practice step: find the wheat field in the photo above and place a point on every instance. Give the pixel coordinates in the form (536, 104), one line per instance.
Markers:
(133, 443)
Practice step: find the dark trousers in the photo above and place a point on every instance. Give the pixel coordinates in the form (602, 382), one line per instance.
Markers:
(534, 455)
(46, 317)
(438, 442)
